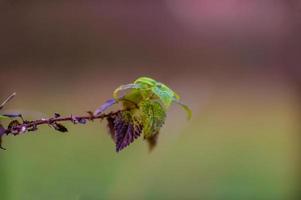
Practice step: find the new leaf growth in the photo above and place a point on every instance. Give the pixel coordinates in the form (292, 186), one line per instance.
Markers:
(144, 105)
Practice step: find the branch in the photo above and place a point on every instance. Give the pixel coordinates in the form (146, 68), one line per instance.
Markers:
(16, 128)
(150, 98)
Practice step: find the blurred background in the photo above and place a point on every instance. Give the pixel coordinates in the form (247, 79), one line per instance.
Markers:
(236, 63)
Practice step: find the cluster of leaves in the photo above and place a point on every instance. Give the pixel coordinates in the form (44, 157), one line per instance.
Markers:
(144, 106)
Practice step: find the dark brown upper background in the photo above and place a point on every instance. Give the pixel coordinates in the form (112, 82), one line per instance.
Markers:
(182, 36)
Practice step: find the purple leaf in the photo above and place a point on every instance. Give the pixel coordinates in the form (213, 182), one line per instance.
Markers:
(125, 132)
(59, 127)
(111, 120)
(104, 106)
(12, 115)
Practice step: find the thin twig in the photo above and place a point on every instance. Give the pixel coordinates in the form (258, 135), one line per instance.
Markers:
(32, 125)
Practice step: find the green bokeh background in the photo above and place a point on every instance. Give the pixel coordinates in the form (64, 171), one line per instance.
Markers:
(233, 148)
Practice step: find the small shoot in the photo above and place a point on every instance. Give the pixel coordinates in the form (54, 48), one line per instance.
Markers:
(145, 103)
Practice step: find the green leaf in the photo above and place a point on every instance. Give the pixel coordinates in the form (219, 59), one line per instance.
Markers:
(144, 89)
(146, 102)
(153, 116)
(3, 117)
(146, 82)
(186, 108)
(165, 94)
(122, 88)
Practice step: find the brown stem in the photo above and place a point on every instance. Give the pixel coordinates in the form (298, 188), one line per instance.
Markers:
(32, 125)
